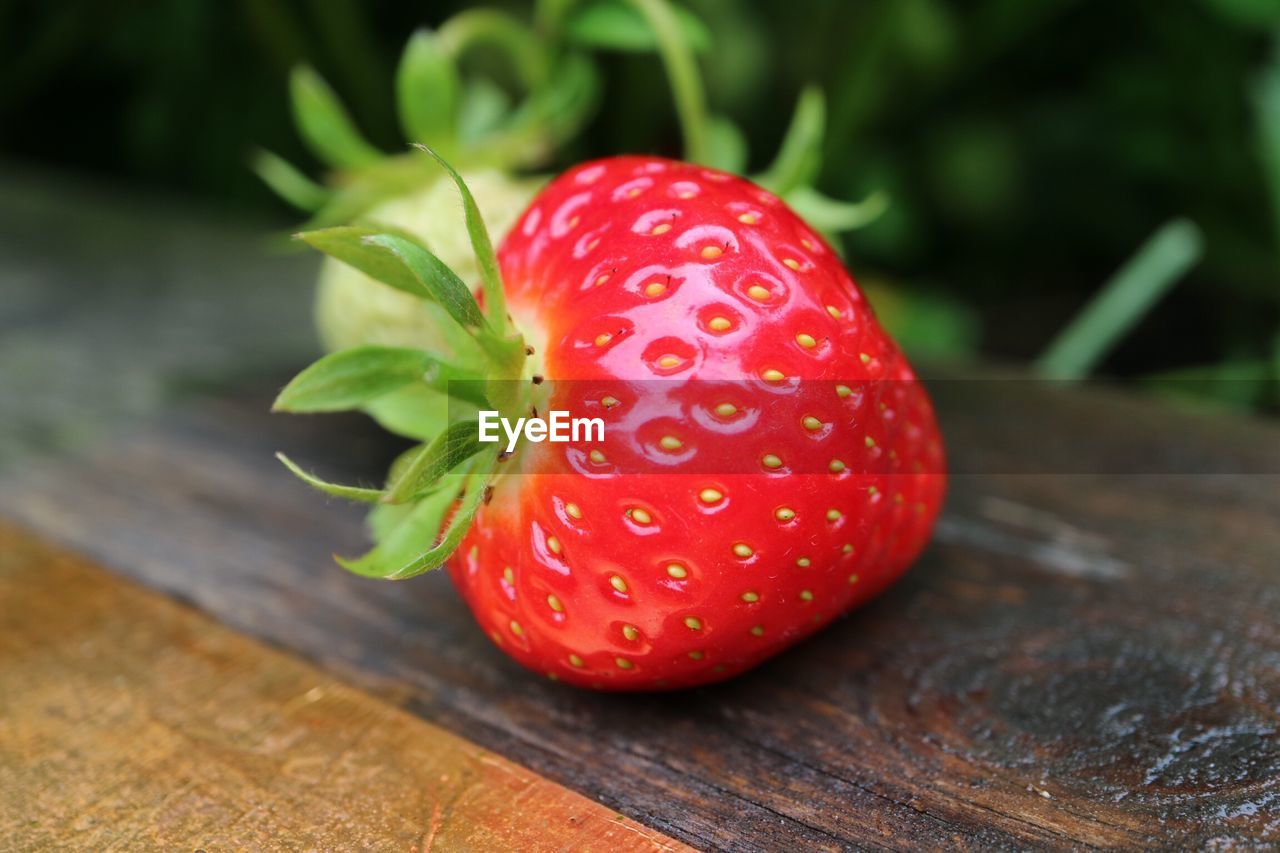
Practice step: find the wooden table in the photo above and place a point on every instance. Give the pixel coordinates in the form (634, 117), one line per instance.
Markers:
(1087, 655)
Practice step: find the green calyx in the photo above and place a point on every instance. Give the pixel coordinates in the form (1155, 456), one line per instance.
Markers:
(469, 119)
(415, 518)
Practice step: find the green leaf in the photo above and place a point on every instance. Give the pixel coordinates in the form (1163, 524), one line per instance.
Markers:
(617, 25)
(459, 442)
(352, 377)
(832, 216)
(1122, 301)
(288, 182)
(434, 277)
(486, 258)
(350, 493)
(800, 157)
(324, 124)
(726, 145)
(389, 560)
(427, 91)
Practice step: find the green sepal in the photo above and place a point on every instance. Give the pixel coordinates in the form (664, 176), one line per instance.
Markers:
(414, 411)
(832, 216)
(486, 258)
(408, 391)
(401, 464)
(573, 92)
(459, 442)
(618, 25)
(800, 157)
(350, 493)
(346, 243)
(401, 532)
(428, 91)
(350, 378)
(403, 263)
(446, 336)
(364, 190)
(433, 278)
(289, 182)
(548, 117)
(502, 33)
(388, 560)
(383, 520)
(324, 124)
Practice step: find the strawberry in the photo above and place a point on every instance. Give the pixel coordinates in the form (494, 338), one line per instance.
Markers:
(769, 460)
(671, 579)
(441, 105)
(493, 145)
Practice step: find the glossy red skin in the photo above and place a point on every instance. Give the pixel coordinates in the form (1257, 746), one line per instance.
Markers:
(599, 220)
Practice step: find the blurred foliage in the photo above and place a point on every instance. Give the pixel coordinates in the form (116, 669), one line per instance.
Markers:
(1029, 148)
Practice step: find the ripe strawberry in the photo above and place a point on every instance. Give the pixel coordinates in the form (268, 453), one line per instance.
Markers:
(494, 146)
(636, 268)
(769, 459)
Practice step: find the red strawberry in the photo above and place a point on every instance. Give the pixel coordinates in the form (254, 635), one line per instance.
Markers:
(796, 480)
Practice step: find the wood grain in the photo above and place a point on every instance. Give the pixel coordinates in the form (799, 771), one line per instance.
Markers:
(1088, 655)
(128, 723)
(1084, 659)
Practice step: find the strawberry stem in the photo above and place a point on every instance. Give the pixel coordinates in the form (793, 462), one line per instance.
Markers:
(800, 157)
(682, 72)
(474, 27)
(1123, 300)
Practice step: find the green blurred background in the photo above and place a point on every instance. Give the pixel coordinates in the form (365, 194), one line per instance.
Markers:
(1029, 146)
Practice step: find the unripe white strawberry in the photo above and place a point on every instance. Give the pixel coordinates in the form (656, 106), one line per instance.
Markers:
(492, 141)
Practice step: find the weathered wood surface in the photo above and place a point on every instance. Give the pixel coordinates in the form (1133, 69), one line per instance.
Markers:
(1087, 655)
(1079, 659)
(114, 306)
(128, 722)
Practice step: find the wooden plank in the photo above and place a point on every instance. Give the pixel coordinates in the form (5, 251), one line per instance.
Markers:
(1083, 658)
(1087, 655)
(113, 305)
(128, 722)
